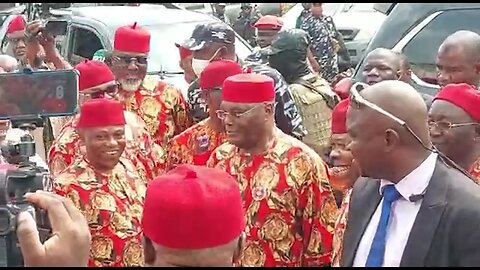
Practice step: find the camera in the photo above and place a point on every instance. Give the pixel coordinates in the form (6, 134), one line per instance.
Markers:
(24, 176)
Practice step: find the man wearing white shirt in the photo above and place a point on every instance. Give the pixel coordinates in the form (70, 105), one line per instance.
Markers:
(424, 211)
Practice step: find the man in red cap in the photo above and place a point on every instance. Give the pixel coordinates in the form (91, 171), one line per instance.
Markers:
(343, 173)
(186, 63)
(97, 81)
(16, 37)
(284, 183)
(202, 229)
(454, 121)
(105, 187)
(159, 104)
(196, 144)
(268, 27)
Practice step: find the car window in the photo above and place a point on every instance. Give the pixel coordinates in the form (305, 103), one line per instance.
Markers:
(422, 49)
(163, 52)
(85, 44)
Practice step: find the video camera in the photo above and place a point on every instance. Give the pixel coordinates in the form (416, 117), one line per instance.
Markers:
(43, 94)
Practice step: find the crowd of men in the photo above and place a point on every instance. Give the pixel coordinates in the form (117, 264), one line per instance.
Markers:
(263, 164)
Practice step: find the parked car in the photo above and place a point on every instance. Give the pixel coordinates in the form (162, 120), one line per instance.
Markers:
(92, 28)
(417, 30)
(357, 22)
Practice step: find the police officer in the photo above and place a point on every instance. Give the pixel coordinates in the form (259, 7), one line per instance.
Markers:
(219, 12)
(313, 95)
(244, 25)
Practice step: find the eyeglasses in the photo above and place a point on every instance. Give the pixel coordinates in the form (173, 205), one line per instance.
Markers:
(111, 90)
(444, 126)
(221, 114)
(126, 60)
(357, 101)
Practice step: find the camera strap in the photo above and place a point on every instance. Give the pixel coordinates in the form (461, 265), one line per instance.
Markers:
(3, 251)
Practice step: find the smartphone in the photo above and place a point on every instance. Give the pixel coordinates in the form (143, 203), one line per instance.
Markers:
(28, 94)
(56, 28)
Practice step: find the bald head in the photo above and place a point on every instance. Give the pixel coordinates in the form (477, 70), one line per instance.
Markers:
(381, 64)
(374, 134)
(458, 59)
(8, 63)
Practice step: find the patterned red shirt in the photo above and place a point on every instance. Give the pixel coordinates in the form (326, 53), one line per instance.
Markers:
(162, 107)
(194, 145)
(112, 205)
(475, 171)
(288, 200)
(340, 226)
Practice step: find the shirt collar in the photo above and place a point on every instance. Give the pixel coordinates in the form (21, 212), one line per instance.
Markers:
(416, 181)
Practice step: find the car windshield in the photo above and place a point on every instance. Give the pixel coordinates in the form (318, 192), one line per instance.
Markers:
(164, 54)
(362, 7)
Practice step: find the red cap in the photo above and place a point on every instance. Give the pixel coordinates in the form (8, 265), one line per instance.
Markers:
(339, 117)
(184, 52)
(101, 112)
(248, 88)
(269, 22)
(93, 73)
(132, 38)
(16, 26)
(193, 207)
(462, 95)
(216, 72)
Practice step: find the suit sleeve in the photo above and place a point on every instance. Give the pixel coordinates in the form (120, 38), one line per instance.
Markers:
(466, 248)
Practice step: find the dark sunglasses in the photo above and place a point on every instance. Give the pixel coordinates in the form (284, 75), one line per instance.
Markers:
(357, 101)
(126, 60)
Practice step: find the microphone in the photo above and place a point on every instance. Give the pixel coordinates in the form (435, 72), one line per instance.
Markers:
(416, 197)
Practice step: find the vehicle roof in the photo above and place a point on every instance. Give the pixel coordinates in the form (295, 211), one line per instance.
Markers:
(402, 18)
(144, 16)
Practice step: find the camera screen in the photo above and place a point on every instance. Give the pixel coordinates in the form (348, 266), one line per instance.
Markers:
(56, 28)
(39, 93)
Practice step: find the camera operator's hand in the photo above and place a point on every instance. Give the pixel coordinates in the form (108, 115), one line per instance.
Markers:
(70, 243)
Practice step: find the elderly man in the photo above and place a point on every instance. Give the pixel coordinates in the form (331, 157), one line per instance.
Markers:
(97, 81)
(458, 59)
(343, 174)
(106, 188)
(286, 193)
(160, 105)
(267, 30)
(454, 121)
(16, 36)
(215, 41)
(203, 229)
(420, 200)
(313, 95)
(196, 144)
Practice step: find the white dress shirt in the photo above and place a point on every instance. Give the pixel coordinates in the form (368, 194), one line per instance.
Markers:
(402, 216)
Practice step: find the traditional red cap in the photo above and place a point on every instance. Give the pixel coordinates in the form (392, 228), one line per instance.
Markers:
(132, 38)
(16, 26)
(269, 22)
(248, 88)
(101, 112)
(339, 117)
(93, 73)
(216, 72)
(193, 207)
(184, 52)
(462, 95)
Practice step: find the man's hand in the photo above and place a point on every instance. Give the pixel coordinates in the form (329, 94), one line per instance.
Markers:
(69, 244)
(37, 30)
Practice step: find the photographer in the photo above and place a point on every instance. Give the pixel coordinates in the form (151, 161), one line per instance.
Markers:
(70, 241)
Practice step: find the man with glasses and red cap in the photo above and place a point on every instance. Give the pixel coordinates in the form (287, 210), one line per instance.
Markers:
(196, 144)
(160, 105)
(16, 37)
(290, 208)
(454, 121)
(106, 187)
(97, 81)
(193, 217)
